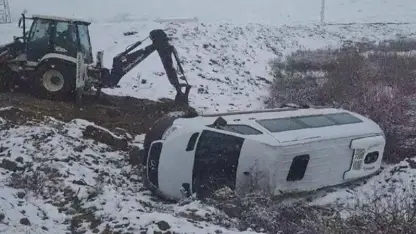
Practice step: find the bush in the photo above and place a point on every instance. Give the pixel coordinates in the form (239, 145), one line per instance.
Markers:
(370, 80)
(373, 213)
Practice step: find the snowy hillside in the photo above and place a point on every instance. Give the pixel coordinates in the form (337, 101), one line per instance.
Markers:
(226, 64)
(83, 184)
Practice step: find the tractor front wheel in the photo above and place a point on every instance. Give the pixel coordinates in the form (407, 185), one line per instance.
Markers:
(56, 81)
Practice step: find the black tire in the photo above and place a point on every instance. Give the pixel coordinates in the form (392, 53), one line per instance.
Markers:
(56, 80)
(154, 133)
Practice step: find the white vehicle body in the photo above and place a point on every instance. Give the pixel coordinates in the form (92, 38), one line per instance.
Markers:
(292, 149)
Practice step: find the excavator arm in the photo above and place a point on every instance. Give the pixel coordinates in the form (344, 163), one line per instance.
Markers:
(128, 59)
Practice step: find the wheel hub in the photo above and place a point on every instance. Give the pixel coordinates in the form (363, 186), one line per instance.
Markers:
(53, 80)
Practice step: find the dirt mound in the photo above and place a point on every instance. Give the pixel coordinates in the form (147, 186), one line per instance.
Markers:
(112, 112)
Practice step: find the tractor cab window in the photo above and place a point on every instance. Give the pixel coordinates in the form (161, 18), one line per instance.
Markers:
(84, 39)
(39, 39)
(66, 38)
(40, 30)
(66, 31)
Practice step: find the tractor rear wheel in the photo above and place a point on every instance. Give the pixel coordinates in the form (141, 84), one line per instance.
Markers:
(56, 81)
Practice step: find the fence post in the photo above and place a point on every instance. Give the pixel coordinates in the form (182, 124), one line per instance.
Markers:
(322, 11)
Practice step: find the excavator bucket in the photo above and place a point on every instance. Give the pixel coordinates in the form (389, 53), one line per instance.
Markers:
(183, 97)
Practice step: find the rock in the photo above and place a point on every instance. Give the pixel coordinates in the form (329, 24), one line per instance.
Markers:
(136, 156)
(80, 148)
(118, 226)
(129, 33)
(202, 90)
(19, 159)
(2, 216)
(2, 149)
(21, 195)
(105, 137)
(163, 225)
(412, 164)
(25, 221)
(122, 132)
(232, 210)
(9, 165)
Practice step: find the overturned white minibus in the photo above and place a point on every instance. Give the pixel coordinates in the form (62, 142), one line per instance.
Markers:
(294, 149)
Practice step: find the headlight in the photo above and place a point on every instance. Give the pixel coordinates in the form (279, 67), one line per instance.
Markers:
(170, 130)
(371, 157)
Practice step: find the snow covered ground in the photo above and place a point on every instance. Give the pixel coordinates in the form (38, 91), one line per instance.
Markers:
(225, 55)
(69, 176)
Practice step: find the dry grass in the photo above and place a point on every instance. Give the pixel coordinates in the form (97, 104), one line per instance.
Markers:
(377, 212)
(375, 80)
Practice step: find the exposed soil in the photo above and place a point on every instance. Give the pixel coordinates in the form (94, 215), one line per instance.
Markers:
(112, 112)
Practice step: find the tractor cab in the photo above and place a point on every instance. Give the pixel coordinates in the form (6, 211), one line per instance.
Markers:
(56, 35)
